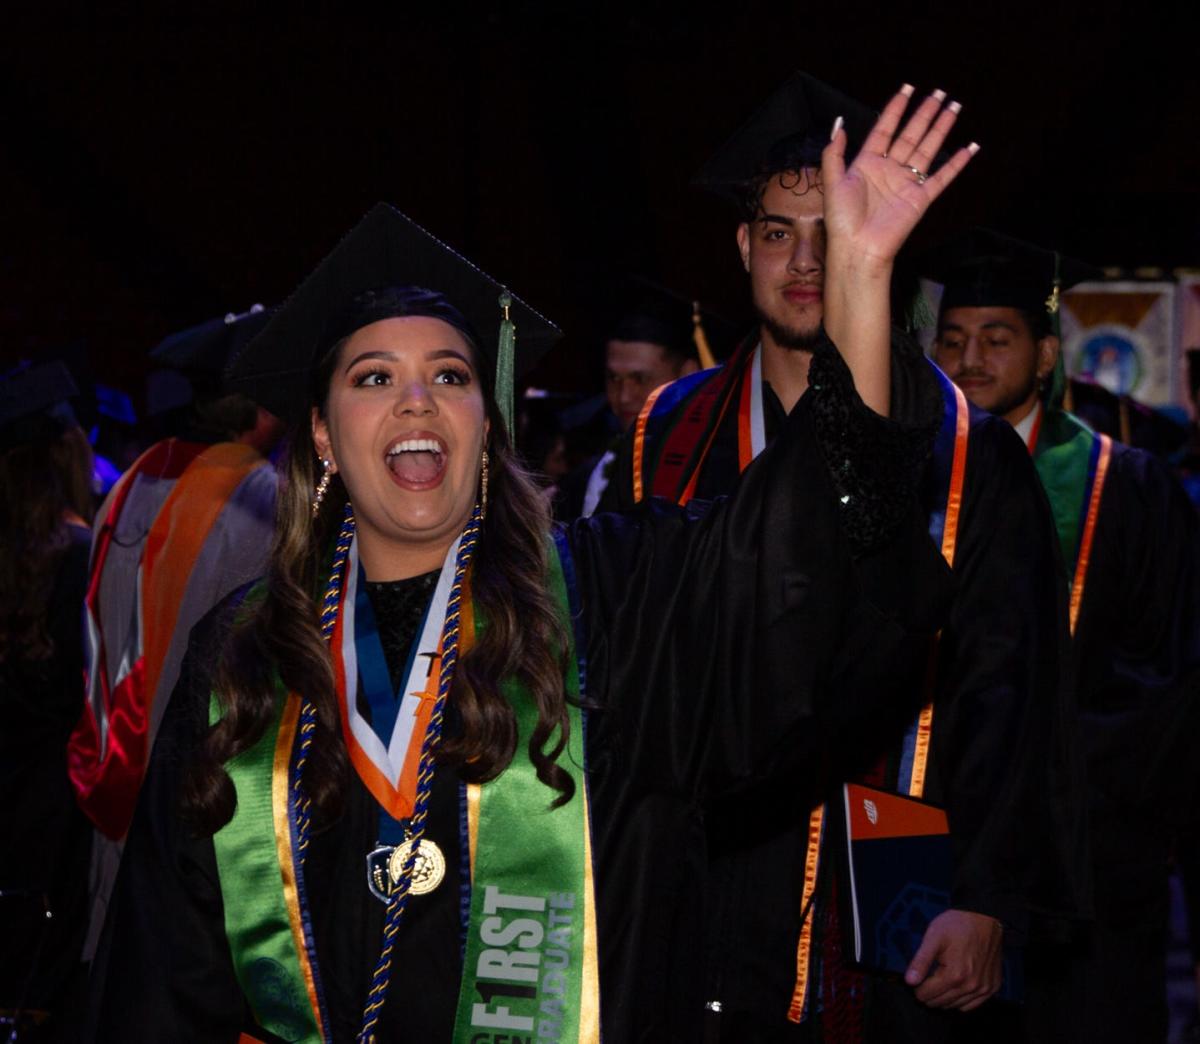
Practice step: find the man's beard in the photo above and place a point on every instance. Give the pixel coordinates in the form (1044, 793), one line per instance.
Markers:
(1016, 398)
(789, 336)
(1006, 403)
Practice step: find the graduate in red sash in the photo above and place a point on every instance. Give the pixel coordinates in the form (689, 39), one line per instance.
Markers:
(438, 777)
(190, 521)
(1131, 544)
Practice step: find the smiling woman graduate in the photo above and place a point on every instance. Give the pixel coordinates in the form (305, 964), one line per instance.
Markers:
(441, 774)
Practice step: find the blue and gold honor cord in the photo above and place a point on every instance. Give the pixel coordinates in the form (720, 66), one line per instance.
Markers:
(398, 900)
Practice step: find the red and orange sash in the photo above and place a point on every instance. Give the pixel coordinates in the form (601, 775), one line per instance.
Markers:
(109, 748)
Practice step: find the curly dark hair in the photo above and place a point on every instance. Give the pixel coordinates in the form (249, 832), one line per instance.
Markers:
(279, 634)
(795, 160)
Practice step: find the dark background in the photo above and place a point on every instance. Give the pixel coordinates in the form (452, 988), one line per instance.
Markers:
(154, 175)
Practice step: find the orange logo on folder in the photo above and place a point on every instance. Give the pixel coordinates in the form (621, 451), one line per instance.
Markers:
(876, 814)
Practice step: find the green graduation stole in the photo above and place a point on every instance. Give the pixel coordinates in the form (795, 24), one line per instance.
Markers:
(1072, 463)
(256, 867)
(531, 967)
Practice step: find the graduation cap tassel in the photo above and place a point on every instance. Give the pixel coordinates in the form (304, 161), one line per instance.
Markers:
(505, 364)
(1126, 428)
(1059, 391)
(705, 353)
(919, 315)
(1054, 301)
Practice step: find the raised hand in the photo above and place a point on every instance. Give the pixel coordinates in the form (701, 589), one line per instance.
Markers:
(872, 205)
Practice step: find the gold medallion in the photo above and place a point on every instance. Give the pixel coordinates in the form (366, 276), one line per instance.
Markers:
(428, 868)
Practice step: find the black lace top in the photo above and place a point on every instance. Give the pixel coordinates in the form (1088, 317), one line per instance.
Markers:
(399, 606)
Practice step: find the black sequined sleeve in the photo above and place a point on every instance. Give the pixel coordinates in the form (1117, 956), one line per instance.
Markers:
(875, 461)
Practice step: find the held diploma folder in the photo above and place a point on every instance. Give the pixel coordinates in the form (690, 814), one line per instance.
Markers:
(900, 869)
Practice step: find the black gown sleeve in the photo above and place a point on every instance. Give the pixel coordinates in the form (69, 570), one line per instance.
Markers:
(728, 645)
(1005, 765)
(163, 970)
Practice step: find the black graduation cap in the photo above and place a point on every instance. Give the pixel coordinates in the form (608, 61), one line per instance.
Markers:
(644, 311)
(788, 131)
(208, 347)
(1126, 419)
(384, 249)
(33, 403)
(640, 309)
(982, 268)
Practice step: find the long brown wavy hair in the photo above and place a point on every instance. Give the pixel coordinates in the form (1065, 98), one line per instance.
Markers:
(44, 480)
(278, 633)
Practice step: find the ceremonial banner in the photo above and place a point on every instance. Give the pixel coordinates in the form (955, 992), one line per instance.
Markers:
(1122, 336)
(1189, 329)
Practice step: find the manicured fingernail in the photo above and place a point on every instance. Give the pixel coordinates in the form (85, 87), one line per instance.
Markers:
(939, 95)
(907, 90)
(955, 107)
(837, 126)
(973, 148)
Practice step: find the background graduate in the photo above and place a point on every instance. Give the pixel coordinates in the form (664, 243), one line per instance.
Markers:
(1130, 541)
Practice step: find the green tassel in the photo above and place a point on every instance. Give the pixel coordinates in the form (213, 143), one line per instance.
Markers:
(917, 314)
(505, 366)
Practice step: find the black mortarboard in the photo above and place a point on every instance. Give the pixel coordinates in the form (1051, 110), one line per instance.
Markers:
(208, 347)
(982, 268)
(642, 310)
(33, 403)
(385, 249)
(787, 132)
(195, 359)
(1126, 419)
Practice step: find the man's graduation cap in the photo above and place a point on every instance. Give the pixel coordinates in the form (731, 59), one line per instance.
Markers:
(982, 268)
(33, 403)
(386, 249)
(788, 132)
(642, 310)
(194, 360)
(208, 347)
(1125, 419)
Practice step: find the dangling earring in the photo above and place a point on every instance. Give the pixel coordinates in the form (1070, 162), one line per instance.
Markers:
(322, 487)
(483, 485)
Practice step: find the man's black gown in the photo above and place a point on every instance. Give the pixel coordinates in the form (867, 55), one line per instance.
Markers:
(726, 653)
(1135, 661)
(1002, 762)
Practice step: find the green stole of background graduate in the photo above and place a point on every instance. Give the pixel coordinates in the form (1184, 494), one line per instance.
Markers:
(1072, 464)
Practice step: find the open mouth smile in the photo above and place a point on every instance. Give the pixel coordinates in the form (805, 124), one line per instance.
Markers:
(417, 462)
